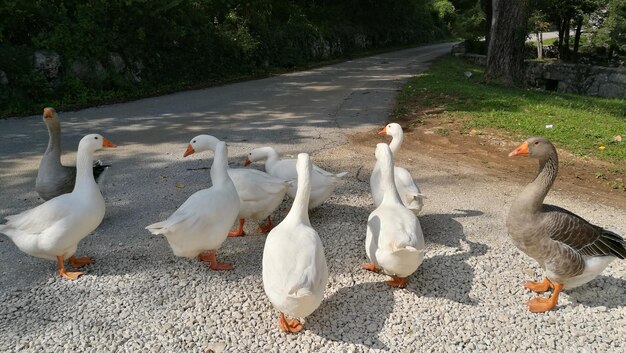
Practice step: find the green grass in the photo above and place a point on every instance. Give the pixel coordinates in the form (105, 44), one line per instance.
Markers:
(581, 124)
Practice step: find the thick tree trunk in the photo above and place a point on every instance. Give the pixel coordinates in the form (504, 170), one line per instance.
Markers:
(579, 26)
(564, 52)
(505, 56)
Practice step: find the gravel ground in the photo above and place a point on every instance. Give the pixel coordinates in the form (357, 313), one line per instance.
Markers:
(466, 296)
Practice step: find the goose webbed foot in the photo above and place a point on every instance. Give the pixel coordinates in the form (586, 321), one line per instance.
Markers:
(291, 326)
(78, 262)
(370, 267)
(65, 274)
(266, 227)
(540, 305)
(239, 232)
(211, 258)
(398, 282)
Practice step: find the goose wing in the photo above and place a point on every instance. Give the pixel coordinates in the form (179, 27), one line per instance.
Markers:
(587, 239)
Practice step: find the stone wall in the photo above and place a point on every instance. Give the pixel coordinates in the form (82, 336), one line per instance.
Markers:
(607, 82)
(588, 80)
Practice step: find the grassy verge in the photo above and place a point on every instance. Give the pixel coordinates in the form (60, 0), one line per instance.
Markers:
(585, 126)
(588, 127)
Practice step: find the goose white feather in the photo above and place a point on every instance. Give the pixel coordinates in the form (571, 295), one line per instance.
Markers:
(323, 183)
(295, 273)
(409, 192)
(394, 241)
(260, 194)
(53, 229)
(202, 222)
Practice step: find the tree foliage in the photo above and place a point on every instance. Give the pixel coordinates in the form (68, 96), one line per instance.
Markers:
(174, 41)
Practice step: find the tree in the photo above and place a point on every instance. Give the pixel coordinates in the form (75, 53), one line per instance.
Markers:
(505, 55)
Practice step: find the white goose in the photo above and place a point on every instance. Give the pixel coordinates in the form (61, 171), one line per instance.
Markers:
(53, 229)
(202, 222)
(410, 194)
(295, 274)
(394, 241)
(259, 193)
(323, 183)
(53, 178)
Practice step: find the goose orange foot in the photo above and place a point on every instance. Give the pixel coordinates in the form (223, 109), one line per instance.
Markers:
(291, 326)
(266, 227)
(538, 287)
(210, 257)
(541, 305)
(64, 273)
(78, 262)
(239, 232)
(398, 282)
(370, 267)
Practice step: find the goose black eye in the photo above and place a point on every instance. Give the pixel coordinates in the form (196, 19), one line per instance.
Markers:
(536, 142)
(194, 141)
(96, 137)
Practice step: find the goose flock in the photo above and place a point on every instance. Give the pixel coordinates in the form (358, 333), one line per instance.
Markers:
(570, 250)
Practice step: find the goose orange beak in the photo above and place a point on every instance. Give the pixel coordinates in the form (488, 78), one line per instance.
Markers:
(521, 150)
(383, 131)
(48, 113)
(246, 162)
(106, 143)
(189, 151)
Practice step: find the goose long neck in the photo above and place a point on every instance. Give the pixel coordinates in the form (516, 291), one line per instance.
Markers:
(272, 156)
(84, 169)
(396, 142)
(534, 193)
(219, 168)
(54, 140)
(390, 193)
(300, 208)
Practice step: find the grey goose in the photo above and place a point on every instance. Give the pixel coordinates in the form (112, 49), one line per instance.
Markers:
(570, 250)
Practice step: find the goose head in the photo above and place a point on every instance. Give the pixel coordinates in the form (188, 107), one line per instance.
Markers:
(535, 147)
(201, 143)
(257, 154)
(393, 130)
(50, 117)
(94, 142)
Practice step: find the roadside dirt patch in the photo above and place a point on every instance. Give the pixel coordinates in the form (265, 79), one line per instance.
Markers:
(487, 153)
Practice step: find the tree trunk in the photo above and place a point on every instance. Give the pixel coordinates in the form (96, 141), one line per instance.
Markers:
(487, 6)
(579, 26)
(505, 55)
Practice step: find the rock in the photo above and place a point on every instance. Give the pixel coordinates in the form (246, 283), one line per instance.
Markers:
(117, 61)
(4, 80)
(48, 63)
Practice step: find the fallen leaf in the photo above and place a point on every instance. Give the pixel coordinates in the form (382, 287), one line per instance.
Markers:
(473, 132)
(180, 185)
(549, 126)
(617, 138)
(163, 176)
(601, 147)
